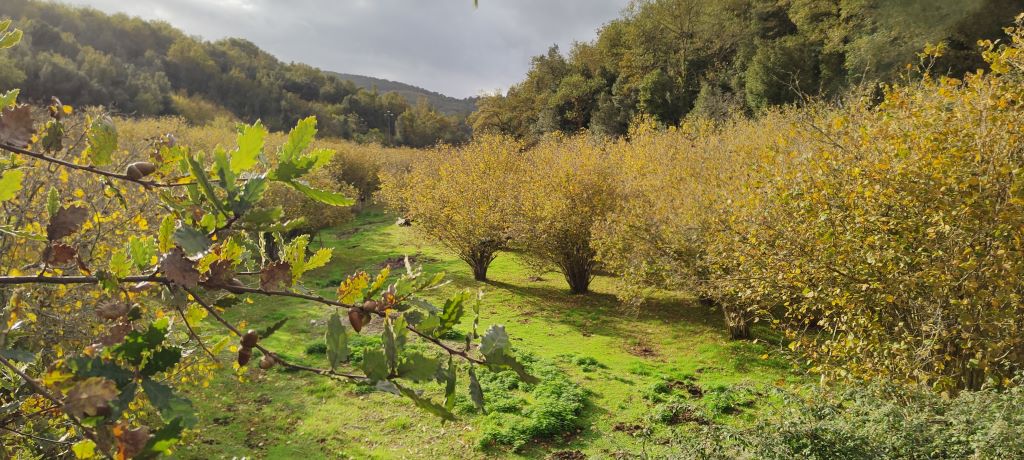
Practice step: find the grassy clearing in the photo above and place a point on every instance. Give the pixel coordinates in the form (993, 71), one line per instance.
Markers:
(635, 366)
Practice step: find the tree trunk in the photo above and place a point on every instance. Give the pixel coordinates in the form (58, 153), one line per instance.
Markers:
(480, 271)
(479, 259)
(739, 329)
(577, 271)
(737, 320)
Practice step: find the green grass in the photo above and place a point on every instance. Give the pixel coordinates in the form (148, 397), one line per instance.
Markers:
(634, 364)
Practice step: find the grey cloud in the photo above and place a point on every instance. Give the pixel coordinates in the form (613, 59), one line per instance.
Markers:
(443, 45)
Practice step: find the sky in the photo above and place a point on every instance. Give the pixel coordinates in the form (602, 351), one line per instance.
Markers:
(441, 45)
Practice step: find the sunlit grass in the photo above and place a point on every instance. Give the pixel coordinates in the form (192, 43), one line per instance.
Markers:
(616, 352)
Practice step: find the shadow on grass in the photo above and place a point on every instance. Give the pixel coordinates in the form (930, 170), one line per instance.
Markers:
(603, 313)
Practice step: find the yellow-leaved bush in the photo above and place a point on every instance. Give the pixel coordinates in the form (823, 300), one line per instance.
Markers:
(884, 239)
(567, 187)
(464, 198)
(882, 235)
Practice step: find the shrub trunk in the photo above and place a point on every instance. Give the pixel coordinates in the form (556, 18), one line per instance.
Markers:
(737, 320)
(578, 270)
(479, 259)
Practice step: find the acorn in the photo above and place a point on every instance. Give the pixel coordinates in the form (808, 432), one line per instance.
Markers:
(235, 286)
(356, 318)
(244, 355)
(267, 362)
(249, 339)
(140, 169)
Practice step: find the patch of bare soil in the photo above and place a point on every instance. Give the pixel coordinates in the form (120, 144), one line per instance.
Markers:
(694, 390)
(631, 429)
(688, 415)
(567, 455)
(398, 262)
(642, 348)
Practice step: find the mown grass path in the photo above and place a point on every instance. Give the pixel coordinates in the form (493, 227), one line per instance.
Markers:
(277, 415)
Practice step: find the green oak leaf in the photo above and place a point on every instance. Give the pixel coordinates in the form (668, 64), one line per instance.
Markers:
(10, 183)
(476, 392)
(250, 146)
(323, 196)
(97, 367)
(161, 360)
(52, 201)
(270, 330)
(101, 140)
(9, 98)
(450, 381)
(426, 404)
(452, 312)
(11, 38)
(337, 341)
(417, 367)
(170, 405)
(142, 251)
(192, 240)
(22, 356)
(375, 365)
(137, 343)
(163, 440)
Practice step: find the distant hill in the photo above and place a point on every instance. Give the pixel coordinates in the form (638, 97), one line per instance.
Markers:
(442, 103)
(148, 68)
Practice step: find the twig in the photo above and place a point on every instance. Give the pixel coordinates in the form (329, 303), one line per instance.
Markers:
(234, 289)
(326, 372)
(31, 436)
(91, 169)
(194, 335)
(41, 391)
(76, 279)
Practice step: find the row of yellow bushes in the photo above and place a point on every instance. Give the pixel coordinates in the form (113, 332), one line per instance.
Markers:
(885, 239)
(354, 170)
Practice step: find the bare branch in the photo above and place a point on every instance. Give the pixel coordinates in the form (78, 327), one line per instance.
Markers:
(86, 168)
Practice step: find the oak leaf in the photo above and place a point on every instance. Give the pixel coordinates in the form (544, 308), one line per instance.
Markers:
(276, 275)
(91, 397)
(66, 222)
(179, 269)
(58, 254)
(16, 126)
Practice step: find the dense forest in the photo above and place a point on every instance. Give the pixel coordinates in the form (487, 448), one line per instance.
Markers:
(148, 68)
(672, 58)
(444, 104)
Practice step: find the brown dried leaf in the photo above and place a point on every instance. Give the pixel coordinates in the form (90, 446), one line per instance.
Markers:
(130, 442)
(16, 126)
(112, 310)
(179, 269)
(221, 274)
(276, 275)
(91, 397)
(66, 221)
(59, 254)
(115, 334)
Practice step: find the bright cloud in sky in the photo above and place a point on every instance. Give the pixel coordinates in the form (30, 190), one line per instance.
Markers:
(441, 45)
